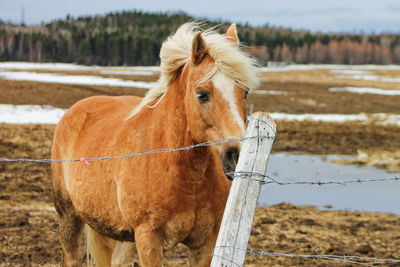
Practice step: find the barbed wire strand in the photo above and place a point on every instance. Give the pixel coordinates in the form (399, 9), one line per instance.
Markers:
(154, 151)
(274, 180)
(345, 258)
(242, 174)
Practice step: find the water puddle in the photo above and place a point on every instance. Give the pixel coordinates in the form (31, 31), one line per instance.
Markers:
(373, 196)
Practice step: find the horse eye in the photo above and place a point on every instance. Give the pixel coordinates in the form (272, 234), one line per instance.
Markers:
(245, 94)
(203, 96)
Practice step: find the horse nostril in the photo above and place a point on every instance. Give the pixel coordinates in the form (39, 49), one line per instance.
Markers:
(232, 154)
(229, 159)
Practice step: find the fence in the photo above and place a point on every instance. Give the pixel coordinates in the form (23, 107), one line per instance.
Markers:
(231, 246)
(242, 201)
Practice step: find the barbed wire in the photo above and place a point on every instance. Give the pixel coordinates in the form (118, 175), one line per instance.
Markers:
(154, 151)
(274, 180)
(242, 174)
(368, 261)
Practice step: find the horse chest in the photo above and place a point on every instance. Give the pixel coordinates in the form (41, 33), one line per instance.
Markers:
(191, 228)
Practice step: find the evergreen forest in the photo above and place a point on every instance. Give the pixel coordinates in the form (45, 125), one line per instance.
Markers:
(135, 38)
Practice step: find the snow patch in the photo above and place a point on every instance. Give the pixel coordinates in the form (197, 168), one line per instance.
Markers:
(370, 78)
(269, 92)
(138, 68)
(21, 114)
(69, 66)
(42, 66)
(365, 90)
(296, 67)
(71, 79)
(351, 72)
(380, 118)
(127, 72)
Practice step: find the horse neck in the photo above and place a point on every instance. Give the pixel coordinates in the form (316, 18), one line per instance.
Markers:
(171, 116)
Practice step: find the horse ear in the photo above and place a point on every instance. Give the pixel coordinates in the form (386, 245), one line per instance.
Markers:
(231, 34)
(199, 48)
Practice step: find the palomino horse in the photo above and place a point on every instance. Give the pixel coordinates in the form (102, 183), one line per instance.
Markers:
(155, 200)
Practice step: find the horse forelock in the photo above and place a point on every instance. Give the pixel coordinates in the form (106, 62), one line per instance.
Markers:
(176, 52)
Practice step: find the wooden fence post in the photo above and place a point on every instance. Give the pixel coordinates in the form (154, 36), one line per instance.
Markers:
(233, 237)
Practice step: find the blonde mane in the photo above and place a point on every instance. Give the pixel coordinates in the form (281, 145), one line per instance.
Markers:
(176, 51)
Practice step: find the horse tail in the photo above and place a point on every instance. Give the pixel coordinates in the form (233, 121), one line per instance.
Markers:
(99, 248)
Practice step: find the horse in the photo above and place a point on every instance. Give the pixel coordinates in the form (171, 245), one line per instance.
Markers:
(156, 200)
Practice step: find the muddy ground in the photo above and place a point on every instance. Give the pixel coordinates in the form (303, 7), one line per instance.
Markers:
(28, 222)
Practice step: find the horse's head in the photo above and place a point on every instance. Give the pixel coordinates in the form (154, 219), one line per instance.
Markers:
(214, 100)
(213, 75)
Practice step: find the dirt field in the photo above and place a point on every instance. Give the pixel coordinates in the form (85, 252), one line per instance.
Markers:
(28, 222)
(305, 92)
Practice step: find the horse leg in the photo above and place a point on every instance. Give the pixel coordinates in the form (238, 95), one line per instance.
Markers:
(124, 254)
(99, 247)
(201, 256)
(149, 246)
(70, 232)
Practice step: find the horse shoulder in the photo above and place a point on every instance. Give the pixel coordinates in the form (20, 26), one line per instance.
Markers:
(93, 110)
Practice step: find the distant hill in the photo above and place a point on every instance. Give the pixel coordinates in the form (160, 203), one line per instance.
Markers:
(135, 38)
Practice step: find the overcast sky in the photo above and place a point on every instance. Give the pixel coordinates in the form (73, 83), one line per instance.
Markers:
(316, 15)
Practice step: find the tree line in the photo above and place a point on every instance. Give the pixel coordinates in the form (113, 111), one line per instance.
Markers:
(135, 38)
(304, 47)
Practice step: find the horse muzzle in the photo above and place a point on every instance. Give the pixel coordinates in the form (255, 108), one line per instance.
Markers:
(230, 157)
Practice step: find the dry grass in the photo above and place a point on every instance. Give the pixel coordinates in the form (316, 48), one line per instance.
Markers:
(377, 158)
(326, 77)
